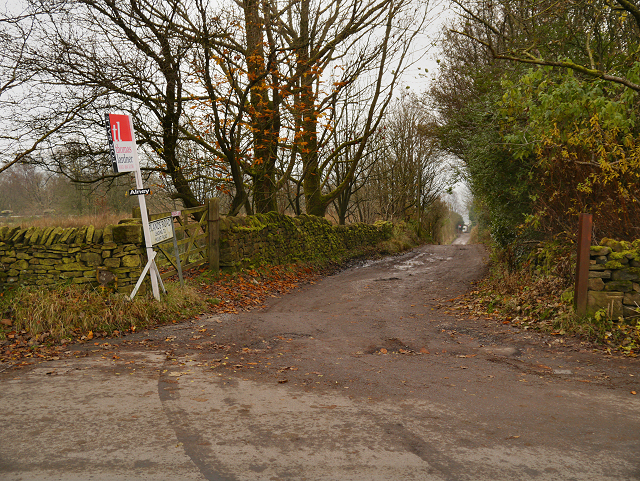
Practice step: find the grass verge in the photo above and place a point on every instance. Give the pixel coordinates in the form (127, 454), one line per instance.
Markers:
(35, 318)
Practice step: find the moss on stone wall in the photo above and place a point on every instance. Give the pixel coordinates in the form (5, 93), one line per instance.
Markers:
(276, 239)
(614, 274)
(46, 256)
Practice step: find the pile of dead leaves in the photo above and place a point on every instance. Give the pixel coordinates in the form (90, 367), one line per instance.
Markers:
(524, 300)
(248, 289)
(544, 303)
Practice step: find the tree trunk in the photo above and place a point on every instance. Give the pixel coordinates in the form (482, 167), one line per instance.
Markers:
(306, 109)
(264, 115)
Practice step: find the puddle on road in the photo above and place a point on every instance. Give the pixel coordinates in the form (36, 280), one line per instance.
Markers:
(369, 263)
(438, 258)
(503, 351)
(416, 261)
(410, 263)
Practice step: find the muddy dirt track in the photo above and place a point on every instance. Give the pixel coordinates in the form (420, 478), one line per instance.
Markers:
(368, 374)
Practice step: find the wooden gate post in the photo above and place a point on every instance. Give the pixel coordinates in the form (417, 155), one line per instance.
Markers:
(582, 264)
(214, 233)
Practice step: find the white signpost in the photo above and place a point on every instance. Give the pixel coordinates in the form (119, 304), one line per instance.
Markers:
(124, 158)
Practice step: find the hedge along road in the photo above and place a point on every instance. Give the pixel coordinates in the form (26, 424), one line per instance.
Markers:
(365, 375)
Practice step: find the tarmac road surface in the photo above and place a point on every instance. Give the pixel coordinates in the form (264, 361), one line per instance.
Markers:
(369, 374)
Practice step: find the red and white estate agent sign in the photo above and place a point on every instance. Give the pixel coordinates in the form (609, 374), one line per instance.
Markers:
(122, 145)
(124, 158)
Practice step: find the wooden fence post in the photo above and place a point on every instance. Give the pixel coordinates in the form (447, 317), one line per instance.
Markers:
(214, 233)
(582, 264)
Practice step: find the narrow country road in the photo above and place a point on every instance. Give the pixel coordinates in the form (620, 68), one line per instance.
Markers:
(369, 374)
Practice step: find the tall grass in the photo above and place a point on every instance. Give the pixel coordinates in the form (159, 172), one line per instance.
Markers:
(99, 221)
(68, 312)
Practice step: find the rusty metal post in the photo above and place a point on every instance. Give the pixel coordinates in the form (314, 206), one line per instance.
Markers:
(582, 264)
(214, 234)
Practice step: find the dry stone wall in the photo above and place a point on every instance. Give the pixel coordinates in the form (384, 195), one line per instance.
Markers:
(83, 255)
(614, 278)
(86, 255)
(276, 239)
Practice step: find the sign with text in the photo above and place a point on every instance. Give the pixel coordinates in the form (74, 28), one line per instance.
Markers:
(139, 191)
(161, 230)
(122, 144)
(124, 158)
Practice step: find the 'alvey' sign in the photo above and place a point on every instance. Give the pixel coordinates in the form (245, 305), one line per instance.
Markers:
(139, 191)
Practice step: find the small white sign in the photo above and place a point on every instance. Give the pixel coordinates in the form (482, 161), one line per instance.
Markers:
(161, 230)
(139, 191)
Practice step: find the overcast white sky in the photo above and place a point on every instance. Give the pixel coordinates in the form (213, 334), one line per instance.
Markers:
(421, 73)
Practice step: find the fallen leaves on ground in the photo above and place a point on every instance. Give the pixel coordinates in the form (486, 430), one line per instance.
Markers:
(249, 289)
(540, 302)
(226, 292)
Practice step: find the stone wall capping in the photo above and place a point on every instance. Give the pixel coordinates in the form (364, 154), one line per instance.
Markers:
(88, 238)
(597, 251)
(31, 236)
(18, 236)
(66, 233)
(8, 234)
(80, 236)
